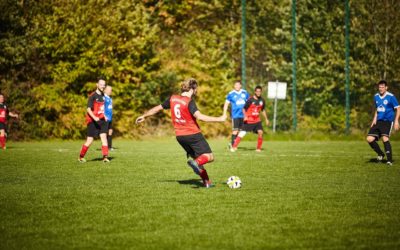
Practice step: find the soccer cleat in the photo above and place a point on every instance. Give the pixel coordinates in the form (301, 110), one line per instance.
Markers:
(208, 184)
(193, 164)
(379, 158)
(105, 159)
(258, 150)
(389, 163)
(82, 160)
(232, 149)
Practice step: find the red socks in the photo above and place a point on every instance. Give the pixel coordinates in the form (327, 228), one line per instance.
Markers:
(83, 151)
(104, 150)
(259, 143)
(204, 175)
(2, 141)
(201, 160)
(237, 141)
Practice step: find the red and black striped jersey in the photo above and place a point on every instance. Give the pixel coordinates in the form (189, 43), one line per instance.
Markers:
(96, 104)
(3, 113)
(182, 114)
(253, 108)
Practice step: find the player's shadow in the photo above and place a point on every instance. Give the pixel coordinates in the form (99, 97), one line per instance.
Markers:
(196, 183)
(101, 159)
(246, 149)
(113, 148)
(374, 160)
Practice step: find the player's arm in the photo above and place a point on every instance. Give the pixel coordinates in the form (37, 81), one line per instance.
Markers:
(226, 104)
(396, 120)
(202, 117)
(12, 114)
(151, 112)
(375, 118)
(91, 114)
(206, 118)
(245, 108)
(265, 113)
(397, 108)
(89, 110)
(266, 117)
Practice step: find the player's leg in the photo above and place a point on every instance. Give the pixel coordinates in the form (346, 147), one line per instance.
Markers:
(109, 136)
(372, 138)
(184, 141)
(372, 141)
(104, 146)
(202, 156)
(241, 134)
(235, 133)
(92, 132)
(103, 129)
(388, 149)
(2, 137)
(237, 123)
(85, 148)
(386, 130)
(259, 140)
(201, 161)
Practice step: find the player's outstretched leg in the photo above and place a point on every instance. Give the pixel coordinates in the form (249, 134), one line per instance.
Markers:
(204, 176)
(193, 164)
(199, 161)
(198, 167)
(388, 150)
(374, 145)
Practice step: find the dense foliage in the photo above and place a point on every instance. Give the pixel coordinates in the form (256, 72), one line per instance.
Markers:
(53, 52)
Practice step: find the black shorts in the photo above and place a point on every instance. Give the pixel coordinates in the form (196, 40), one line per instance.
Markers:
(194, 145)
(96, 128)
(252, 127)
(381, 128)
(3, 126)
(109, 124)
(237, 123)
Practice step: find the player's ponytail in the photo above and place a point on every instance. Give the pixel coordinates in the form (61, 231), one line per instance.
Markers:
(188, 84)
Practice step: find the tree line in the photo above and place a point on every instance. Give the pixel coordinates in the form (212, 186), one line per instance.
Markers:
(54, 51)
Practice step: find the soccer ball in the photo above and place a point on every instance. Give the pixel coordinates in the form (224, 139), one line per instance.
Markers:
(234, 182)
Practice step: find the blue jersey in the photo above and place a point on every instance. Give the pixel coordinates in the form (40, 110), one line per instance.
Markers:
(237, 100)
(108, 107)
(385, 106)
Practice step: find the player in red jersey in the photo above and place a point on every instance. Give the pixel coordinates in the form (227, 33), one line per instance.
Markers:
(252, 122)
(96, 122)
(184, 113)
(3, 121)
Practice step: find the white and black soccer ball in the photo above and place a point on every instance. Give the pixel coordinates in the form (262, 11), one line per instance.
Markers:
(234, 182)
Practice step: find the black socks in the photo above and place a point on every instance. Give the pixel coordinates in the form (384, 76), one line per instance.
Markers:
(233, 139)
(109, 141)
(388, 150)
(374, 145)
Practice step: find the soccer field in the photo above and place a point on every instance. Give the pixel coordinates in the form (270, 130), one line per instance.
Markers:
(295, 195)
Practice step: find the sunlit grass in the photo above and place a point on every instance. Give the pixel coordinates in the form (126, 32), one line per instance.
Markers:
(308, 195)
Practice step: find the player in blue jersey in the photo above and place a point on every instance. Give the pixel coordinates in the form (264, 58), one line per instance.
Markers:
(108, 106)
(237, 98)
(384, 119)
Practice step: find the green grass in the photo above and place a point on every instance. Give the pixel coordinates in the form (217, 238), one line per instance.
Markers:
(295, 195)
